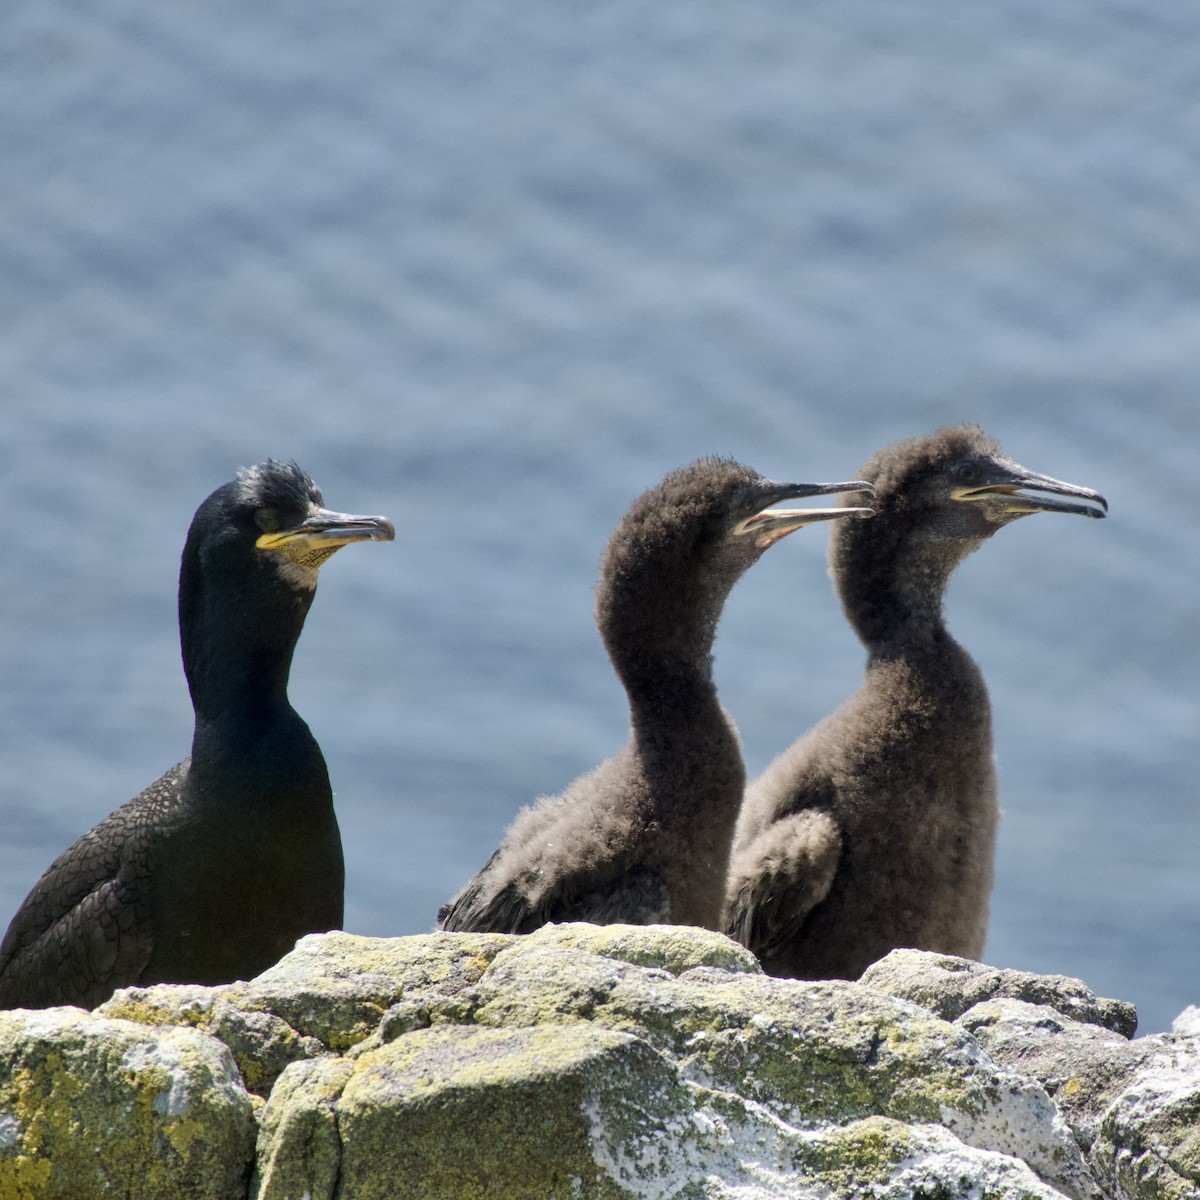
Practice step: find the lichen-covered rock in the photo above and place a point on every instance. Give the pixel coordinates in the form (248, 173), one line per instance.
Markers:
(337, 986)
(672, 948)
(464, 1113)
(262, 1043)
(813, 1053)
(574, 1112)
(1148, 1147)
(329, 993)
(1082, 1066)
(641, 1063)
(878, 1159)
(95, 1107)
(949, 986)
(299, 1150)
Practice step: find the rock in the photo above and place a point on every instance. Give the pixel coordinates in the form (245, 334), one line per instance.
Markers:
(336, 986)
(880, 1159)
(949, 986)
(1082, 1066)
(812, 1052)
(466, 1113)
(1148, 1146)
(299, 1146)
(262, 1044)
(654, 1063)
(1187, 1024)
(672, 948)
(328, 994)
(794, 1059)
(93, 1107)
(460, 1113)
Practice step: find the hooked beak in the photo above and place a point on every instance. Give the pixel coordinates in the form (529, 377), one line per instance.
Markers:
(767, 525)
(1016, 492)
(322, 532)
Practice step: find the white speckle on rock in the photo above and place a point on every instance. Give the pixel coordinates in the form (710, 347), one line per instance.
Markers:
(1187, 1024)
(174, 1099)
(47, 1022)
(1021, 1121)
(755, 1156)
(990, 1173)
(10, 1131)
(1168, 1078)
(1144, 1127)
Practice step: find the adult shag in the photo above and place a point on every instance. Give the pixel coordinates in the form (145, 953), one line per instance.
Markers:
(645, 837)
(214, 871)
(877, 829)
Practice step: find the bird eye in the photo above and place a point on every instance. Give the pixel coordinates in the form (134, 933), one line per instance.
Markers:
(267, 519)
(966, 472)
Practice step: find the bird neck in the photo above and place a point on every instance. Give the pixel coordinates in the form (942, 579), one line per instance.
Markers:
(658, 617)
(679, 733)
(659, 638)
(892, 591)
(668, 695)
(687, 752)
(237, 651)
(663, 658)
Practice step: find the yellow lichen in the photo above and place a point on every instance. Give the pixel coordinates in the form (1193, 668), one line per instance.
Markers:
(24, 1178)
(96, 1106)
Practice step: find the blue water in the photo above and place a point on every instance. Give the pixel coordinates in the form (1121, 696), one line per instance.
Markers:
(491, 270)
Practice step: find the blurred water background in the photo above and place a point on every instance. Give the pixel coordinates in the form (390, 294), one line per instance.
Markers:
(493, 269)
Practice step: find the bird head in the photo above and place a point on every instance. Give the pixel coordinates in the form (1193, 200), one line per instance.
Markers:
(959, 484)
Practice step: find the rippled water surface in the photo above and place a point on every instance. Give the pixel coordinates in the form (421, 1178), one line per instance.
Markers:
(493, 270)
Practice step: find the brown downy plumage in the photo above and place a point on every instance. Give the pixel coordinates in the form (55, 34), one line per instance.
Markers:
(877, 829)
(645, 837)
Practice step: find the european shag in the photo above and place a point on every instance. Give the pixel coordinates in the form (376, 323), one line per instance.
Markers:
(877, 829)
(645, 836)
(214, 871)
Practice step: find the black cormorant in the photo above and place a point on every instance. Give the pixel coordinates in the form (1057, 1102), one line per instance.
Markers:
(877, 829)
(645, 836)
(214, 871)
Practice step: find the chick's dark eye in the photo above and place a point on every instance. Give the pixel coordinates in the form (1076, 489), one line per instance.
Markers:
(267, 519)
(966, 472)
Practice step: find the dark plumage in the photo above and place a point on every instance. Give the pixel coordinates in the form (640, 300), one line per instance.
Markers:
(877, 829)
(214, 871)
(645, 836)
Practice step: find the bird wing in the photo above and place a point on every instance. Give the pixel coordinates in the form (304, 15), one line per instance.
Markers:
(479, 909)
(538, 876)
(779, 877)
(569, 857)
(635, 896)
(85, 928)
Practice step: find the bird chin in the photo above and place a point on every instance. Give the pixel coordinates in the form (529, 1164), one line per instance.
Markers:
(300, 576)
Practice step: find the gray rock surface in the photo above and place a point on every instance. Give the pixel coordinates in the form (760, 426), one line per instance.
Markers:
(1082, 1066)
(1188, 1022)
(949, 986)
(1148, 1147)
